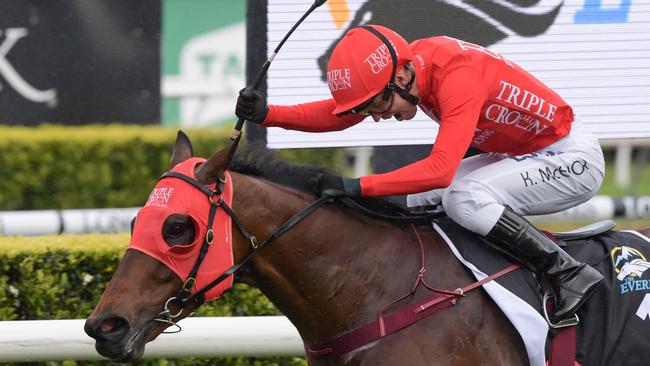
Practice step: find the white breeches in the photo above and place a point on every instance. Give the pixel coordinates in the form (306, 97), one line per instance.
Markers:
(559, 176)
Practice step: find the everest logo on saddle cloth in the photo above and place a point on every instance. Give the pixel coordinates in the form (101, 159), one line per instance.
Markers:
(630, 265)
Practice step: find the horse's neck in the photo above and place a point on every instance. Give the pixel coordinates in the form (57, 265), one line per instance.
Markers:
(335, 270)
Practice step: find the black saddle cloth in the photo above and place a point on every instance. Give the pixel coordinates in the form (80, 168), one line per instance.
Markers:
(614, 324)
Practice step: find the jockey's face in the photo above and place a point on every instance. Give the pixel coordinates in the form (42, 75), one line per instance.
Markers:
(395, 106)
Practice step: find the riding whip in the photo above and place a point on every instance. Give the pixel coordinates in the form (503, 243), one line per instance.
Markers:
(236, 133)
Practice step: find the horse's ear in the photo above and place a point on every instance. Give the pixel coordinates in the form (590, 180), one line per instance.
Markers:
(210, 171)
(182, 149)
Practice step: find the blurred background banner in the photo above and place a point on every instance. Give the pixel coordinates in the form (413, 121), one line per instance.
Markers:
(594, 53)
(204, 54)
(78, 62)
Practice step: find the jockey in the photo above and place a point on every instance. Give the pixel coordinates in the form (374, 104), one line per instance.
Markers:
(537, 159)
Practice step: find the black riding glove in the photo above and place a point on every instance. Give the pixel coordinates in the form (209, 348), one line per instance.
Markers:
(335, 186)
(251, 105)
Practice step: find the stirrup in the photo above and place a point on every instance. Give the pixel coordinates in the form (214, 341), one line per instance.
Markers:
(568, 322)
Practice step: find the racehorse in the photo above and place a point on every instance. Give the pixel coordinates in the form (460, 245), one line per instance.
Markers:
(333, 271)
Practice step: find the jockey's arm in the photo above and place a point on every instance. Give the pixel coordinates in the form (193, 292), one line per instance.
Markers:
(461, 96)
(309, 117)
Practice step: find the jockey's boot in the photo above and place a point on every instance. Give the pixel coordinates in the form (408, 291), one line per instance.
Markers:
(569, 281)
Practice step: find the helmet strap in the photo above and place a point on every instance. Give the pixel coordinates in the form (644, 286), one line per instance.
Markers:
(391, 86)
(406, 91)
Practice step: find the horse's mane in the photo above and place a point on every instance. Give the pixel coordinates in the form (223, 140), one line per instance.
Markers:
(256, 160)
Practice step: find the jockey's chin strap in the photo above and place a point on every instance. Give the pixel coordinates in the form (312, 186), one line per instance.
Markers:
(185, 297)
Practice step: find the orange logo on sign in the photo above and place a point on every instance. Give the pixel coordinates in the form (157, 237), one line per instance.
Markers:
(339, 12)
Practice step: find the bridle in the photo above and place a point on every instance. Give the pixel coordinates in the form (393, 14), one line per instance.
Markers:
(185, 297)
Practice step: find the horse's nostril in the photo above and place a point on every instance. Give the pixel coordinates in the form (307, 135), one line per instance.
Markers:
(110, 328)
(107, 325)
(113, 328)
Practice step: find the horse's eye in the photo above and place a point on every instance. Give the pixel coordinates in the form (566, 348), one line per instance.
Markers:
(178, 230)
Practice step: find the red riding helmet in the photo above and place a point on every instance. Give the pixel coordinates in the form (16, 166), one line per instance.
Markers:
(362, 65)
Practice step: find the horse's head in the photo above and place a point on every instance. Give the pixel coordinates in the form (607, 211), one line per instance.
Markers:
(169, 234)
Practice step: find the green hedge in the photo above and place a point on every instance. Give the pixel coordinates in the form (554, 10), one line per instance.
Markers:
(102, 166)
(63, 277)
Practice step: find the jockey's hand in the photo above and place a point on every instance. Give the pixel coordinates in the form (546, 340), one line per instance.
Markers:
(251, 105)
(335, 186)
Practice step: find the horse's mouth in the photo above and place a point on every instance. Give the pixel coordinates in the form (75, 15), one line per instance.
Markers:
(117, 353)
(130, 348)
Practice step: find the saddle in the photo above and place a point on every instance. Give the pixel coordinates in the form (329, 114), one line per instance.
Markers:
(613, 322)
(583, 232)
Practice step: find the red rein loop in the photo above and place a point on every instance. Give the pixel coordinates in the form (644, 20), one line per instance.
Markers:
(419, 280)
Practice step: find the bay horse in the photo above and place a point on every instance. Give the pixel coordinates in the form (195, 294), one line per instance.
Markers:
(332, 272)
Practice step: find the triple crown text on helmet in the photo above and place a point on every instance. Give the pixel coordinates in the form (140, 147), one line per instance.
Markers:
(379, 58)
(339, 79)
